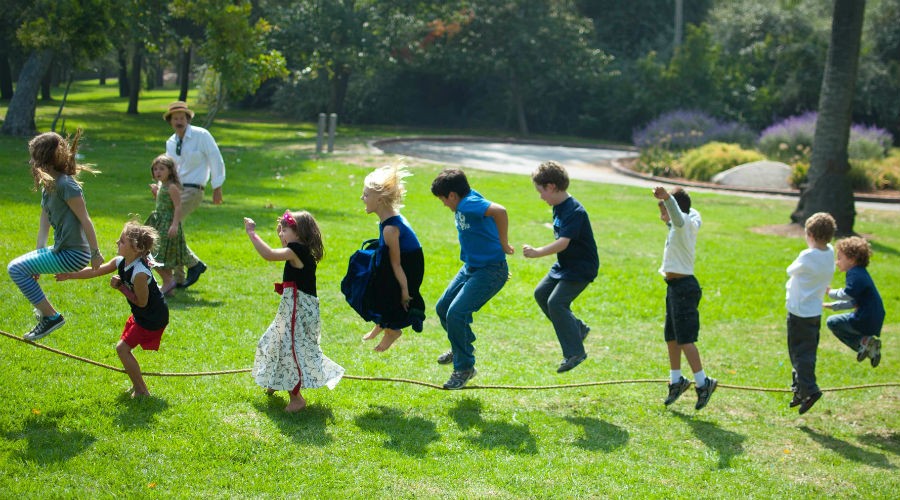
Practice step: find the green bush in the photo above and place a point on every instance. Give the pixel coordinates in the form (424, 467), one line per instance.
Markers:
(659, 162)
(708, 160)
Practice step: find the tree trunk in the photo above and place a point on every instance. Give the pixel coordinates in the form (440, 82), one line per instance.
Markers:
(339, 85)
(45, 86)
(184, 73)
(518, 105)
(123, 73)
(6, 82)
(20, 115)
(102, 75)
(137, 58)
(63, 103)
(828, 186)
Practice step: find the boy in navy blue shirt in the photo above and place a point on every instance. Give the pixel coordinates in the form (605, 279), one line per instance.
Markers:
(576, 264)
(483, 246)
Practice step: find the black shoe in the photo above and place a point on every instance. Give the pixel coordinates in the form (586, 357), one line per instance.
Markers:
(458, 379)
(795, 402)
(570, 362)
(446, 358)
(193, 274)
(677, 389)
(703, 393)
(874, 351)
(44, 327)
(809, 402)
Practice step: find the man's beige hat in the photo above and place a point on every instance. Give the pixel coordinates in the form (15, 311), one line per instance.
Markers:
(176, 107)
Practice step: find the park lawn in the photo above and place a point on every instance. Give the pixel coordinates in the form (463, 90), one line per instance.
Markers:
(68, 430)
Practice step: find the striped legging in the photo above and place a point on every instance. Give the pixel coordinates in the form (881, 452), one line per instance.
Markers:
(44, 261)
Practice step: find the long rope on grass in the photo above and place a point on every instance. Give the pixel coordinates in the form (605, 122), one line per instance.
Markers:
(435, 386)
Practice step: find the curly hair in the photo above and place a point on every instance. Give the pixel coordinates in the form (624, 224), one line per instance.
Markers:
(856, 249)
(167, 161)
(51, 152)
(551, 172)
(308, 233)
(387, 183)
(142, 238)
(821, 226)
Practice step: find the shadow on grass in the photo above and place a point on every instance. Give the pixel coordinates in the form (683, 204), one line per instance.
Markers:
(139, 412)
(599, 435)
(309, 426)
(47, 444)
(889, 443)
(725, 443)
(849, 451)
(879, 248)
(516, 438)
(410, 436)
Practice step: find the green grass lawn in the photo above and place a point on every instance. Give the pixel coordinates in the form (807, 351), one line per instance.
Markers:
(67, 429)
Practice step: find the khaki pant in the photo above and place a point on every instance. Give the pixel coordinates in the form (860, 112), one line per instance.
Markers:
(190, 200)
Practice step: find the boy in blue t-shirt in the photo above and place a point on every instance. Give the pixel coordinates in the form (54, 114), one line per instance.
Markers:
(860, 329)
(483, 245)
(576, 264)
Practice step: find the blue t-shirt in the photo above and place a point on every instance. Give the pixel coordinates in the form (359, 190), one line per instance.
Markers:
(479, 240)
(868, 317)
(579, 261)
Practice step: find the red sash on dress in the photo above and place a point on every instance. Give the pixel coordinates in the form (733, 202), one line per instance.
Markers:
(279, 287)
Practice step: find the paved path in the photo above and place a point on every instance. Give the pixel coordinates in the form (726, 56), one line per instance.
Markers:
(582, 163)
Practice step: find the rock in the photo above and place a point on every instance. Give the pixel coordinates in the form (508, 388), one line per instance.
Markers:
(758, 174)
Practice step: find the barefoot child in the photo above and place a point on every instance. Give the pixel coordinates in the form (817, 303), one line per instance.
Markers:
(397, 301)
(149, 312)
(172, 252)
(54, 170)
(288, 356)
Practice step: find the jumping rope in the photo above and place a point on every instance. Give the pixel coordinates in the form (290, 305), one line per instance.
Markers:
(435, 386)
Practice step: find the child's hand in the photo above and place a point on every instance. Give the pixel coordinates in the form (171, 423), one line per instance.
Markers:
(115, 282)
(828, 305)
(154, 188)
(96, 261)
(63, 276)
(173, 231)
(405, 299)
(509, 249)
(249, 225)
(660, 193)
(529, 251)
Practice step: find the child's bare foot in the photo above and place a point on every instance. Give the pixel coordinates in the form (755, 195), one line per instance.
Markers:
(140, 395)
(295, 405)
(388, 340)
(374, 333)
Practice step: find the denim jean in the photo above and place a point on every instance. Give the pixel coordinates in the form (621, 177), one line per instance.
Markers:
(554, 297)
(803, 342)
(466, 294)
(840, 326)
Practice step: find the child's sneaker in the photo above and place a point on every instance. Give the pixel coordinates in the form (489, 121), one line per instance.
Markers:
(809, 402)
(677, 389)
(44, 327)
(703, 393)
(874, 351)
(459, 378)
(863, 351)
(446, 358)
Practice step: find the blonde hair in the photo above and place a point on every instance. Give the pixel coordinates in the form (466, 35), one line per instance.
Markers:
(142, 238)
(856, 249)
(308, 233)
(51, 152)
(821, 227)
(387, 182)
(167, 161)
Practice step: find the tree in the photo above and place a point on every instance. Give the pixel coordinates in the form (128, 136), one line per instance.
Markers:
(828, 188)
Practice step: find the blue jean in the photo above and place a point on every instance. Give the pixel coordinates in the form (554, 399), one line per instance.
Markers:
(554, 297)
(840, 326)
(466, 294)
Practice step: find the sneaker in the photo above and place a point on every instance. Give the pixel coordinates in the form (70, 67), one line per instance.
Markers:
(809, 402)
(44, 327)
(703, 393)
(863, 351)
(795, 401)
(193, 274)
(570, 362)
(446, 358)
(459, 378)
(677, 389)
(874, 351)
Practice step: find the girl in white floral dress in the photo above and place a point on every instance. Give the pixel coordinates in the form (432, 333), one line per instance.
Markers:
(288, 356)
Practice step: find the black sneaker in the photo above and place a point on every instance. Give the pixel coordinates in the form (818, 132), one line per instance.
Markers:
(193, 274)
(703, 393)
(44, 327)
(458, 379)
(863, 351)
(795, 401)
(677, 389)
(570, 362)
(446, 358)
(809, 402)
(874, 351)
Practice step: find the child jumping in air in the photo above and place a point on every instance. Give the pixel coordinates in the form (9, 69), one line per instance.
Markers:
(288, 356)
(134, 279)
(859, 330)
(54, 170)
(400, 265)
(172, 251)
(576, 264)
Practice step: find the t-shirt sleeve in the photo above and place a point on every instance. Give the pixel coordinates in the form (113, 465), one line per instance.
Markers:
(302, 251)
(68, 188)
(571, 224)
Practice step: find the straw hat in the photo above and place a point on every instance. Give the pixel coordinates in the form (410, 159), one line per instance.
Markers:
(176, 107)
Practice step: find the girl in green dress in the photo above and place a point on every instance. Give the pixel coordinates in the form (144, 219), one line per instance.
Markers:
(166, 218)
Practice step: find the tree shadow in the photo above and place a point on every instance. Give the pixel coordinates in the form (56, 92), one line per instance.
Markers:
(849, 451)
(889, 443)
(47, 444)
(407, 435)
(599, 435)
(879, 248)
(308, 426)
(726, 444)
(516, 438)
(139, 412)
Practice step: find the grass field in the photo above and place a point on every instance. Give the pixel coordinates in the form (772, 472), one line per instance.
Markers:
(67, 429)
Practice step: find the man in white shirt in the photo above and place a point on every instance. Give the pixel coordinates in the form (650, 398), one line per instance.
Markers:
(198, 160)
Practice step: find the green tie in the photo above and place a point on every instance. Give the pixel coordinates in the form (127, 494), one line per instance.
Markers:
(178, 147)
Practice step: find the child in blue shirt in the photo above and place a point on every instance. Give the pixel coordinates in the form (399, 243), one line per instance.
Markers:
(860, 329)
(576, 264)
(483, 245)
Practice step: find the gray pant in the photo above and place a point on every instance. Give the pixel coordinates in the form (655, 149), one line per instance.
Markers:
(190, 200)
(803, 341)
(555, 298)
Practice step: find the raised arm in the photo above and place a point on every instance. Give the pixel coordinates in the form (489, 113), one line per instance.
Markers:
(267, 252)
(89, 272)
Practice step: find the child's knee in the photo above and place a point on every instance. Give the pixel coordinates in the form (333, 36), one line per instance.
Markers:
(122, 348)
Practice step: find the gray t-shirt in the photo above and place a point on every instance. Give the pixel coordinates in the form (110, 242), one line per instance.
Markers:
(67, 231)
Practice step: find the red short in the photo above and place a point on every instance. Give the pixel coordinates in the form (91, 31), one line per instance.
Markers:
(135, 335)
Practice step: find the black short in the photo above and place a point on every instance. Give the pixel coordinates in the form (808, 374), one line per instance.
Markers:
(682, 317)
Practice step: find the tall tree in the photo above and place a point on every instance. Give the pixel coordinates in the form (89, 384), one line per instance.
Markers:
(828, 188)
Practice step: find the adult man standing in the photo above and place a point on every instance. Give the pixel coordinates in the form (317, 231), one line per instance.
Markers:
(198, 161)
